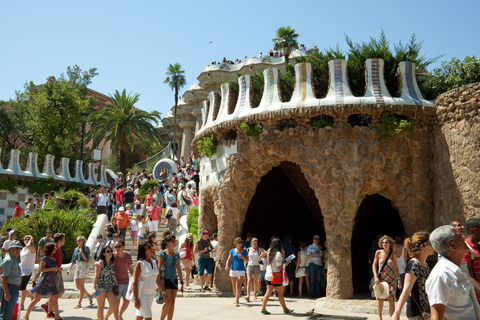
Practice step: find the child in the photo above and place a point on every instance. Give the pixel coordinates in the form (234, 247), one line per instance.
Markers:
(301, 270)
(141, 228)
(134, 230)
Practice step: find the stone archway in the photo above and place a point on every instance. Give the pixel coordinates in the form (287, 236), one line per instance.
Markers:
(284, 204)
(375, 216)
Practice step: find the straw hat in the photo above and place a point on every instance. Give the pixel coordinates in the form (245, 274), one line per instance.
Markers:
(381, 290)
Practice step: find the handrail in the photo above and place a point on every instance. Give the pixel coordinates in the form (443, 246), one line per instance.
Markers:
(164, 153)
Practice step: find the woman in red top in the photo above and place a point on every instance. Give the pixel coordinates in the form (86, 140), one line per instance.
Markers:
(187, 261)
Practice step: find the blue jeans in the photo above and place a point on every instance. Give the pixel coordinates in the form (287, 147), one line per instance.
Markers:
(7, 307)
(316, 273)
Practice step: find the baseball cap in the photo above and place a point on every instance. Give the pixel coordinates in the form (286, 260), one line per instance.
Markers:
(121, 209)
(12, 232)
(15, 244)
(128, 205)
(204, 232)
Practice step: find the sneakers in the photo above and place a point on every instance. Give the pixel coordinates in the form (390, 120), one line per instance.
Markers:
(50, 315)
(44, 307)
(288, 311)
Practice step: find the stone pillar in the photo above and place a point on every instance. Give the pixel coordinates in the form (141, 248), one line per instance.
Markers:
(187, 137)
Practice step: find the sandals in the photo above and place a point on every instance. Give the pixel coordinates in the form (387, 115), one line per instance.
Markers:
(188, 288)
(78, 306)
(90, 300)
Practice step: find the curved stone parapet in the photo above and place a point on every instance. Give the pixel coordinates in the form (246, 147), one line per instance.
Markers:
(339, 92)
(410, 92)
(79, 177)
(64, 173)
(103, 177)
(14, 165)
(91, 174)
(49, 169)
(377, 92)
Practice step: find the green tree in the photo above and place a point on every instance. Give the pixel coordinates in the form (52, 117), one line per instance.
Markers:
(121, 123)
(286, 40)
(453, 74)
(175, 80)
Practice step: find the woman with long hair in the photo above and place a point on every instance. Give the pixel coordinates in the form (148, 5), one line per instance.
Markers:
(416, 274)
(170, 260)
(389, 274)
(46, 284)
(275, 269)
(27, 264)
(255, 253)
(188, 261)
(144, 281)
(104, 282)
(80, 260)
(238, 256)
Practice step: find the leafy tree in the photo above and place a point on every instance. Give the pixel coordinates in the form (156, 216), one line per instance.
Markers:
(286, 40)
(121, 123)
(9, 130)
(175, 80)
(453, 74)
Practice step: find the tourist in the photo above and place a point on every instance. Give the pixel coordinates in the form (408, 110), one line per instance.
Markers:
(37, 200)
(188, 261)
(238, 257)
(253, 268)
(129, 197)
(134, 230)
(154, 214)
(138, 204)
(172, 216)
(400, 252)
(213, 253)
(101, 201)
(12, 235)
(29, 206)
(148, 197)
(472, 257)
(274, 275)
(46, 285)
(123, 265)
(290, 249)
(169, 197)
(111, 229)
(384, 269)
(142, 228)
(59, 240)
(123, 222)
(144, 281)
(43, 242)
(109, 204)
(80, 257)
(152, 238)
(182, 201)
(98, 247)
(10, 278)
(27, 265)
(119, 196)
(18, 211)
(315, 266)
(105, 284)
(203, 247)
(301, 269)
(111, 243)
(416, 274)
(170, 260)
(449, 290)
(459, 227)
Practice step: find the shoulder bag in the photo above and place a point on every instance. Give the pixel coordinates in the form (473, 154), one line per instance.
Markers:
(372, 281)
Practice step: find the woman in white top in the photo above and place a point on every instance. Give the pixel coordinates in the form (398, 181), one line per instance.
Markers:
(401, 253)
(145, 279)
(27, 264)
(275, 262)
(253, 268)
(301, 270)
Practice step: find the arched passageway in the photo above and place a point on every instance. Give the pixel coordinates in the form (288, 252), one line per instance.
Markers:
(375, 216)
(284, 204)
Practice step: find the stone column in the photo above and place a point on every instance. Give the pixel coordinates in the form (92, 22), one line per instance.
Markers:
(187, 137)
(197, 113)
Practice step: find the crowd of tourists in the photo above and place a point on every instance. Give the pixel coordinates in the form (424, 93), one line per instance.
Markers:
(437, 286)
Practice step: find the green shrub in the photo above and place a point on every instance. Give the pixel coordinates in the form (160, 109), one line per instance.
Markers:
(253, 131)
(207, 146)
(322, 121)
(150, 184)
(9, 184)
(392, 124)
(42, 186)
(71, 194)
(73, 223)
(192, 222)
(75, 185)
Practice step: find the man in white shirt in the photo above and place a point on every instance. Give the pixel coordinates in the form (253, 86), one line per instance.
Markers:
(450, 292)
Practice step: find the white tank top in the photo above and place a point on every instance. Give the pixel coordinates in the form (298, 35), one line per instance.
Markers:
(253, 258)
(401, 260)
(27, 262)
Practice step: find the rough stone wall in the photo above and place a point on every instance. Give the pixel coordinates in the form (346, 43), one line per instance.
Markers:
(457, 155)
(342, 165)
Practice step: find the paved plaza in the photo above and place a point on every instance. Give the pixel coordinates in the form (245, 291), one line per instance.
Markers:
(210, 308)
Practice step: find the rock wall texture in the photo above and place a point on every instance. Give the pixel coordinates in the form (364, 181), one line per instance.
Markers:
(342, 164)
(457, 155)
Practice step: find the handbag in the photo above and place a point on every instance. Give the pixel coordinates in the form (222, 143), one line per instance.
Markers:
(372, 281)
(159, 297)
(187, 201)
(300, 272)
(285, 277)
(277, 278)
(115, 290)
(169, 214)
(194, 271)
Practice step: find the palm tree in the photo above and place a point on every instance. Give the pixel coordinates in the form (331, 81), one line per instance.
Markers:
(287, 40)
(176, 80)
(122, 124)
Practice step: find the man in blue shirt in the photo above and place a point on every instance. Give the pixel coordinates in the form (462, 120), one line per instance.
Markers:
(10, 277)
(315, 266)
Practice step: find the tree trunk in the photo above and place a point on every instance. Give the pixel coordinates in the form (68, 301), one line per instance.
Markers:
(286, 52)
(123, 153)
(175, 124)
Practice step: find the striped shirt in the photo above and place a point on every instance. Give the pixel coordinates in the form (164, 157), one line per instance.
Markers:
(317, 259)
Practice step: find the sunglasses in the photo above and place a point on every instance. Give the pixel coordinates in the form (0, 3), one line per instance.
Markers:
(118, 246)
(108, 251)
(26, 239)
(99, 237)
(384, 242)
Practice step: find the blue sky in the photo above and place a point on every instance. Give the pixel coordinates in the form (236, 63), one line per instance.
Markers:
(131, 43)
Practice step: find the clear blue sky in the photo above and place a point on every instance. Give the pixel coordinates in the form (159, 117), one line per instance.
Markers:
(131, 43)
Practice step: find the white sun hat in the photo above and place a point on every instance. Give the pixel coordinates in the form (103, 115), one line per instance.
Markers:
(381, 290)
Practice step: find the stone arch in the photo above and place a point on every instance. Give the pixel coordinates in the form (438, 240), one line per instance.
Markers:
(376, 215)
